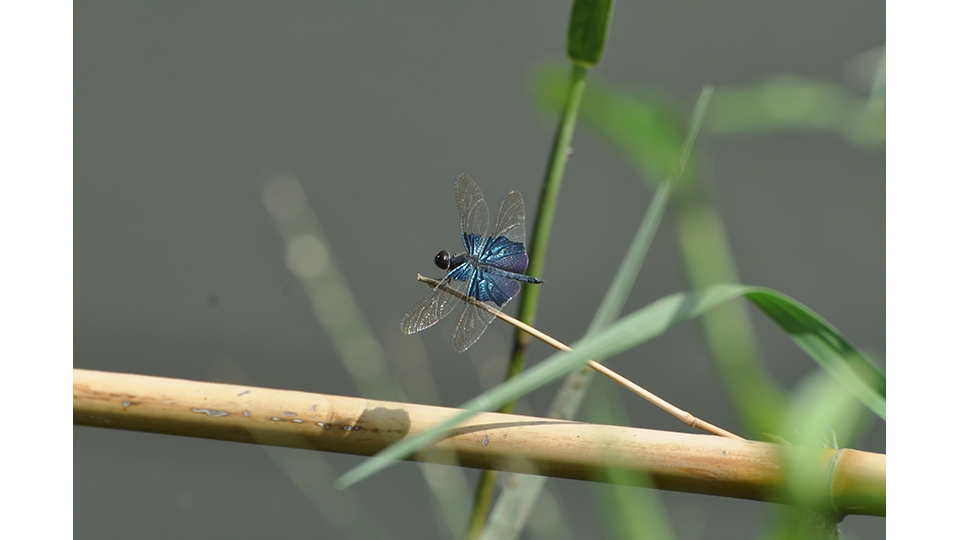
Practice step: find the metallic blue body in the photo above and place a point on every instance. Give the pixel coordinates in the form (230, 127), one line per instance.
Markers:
(489, 272)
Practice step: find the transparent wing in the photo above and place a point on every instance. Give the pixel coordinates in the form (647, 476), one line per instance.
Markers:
(474, 214)
(505, 248)
(491, 290)
(473, 322)
(510, 218)
(435, 306)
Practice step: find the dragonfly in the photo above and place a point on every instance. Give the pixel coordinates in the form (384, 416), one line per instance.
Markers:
(489, 272)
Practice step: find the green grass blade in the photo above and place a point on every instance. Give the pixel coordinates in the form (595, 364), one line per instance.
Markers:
(616, 296)
(629, 511)
(696, 122)
(647, 130)
(827, 346)
(619, 290)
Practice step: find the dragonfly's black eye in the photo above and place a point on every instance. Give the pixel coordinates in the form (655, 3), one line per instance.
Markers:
(442, 260)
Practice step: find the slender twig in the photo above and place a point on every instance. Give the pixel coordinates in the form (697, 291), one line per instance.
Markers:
(681, 414)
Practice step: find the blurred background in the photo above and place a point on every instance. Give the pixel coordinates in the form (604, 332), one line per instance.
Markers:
(190, 118)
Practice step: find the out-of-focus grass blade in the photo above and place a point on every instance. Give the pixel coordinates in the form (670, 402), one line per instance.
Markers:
(630, 511)
(648, 128)
(696, 122)
(587, 33)
(812, 333)
(792, 103)
(616, 296)
(311, 259)
(312, 473)
(820, 415)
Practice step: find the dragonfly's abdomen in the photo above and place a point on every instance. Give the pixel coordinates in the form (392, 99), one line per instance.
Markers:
(494, 271)
(490, 285)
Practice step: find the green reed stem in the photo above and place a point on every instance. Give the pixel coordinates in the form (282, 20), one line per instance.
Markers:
(538, 253)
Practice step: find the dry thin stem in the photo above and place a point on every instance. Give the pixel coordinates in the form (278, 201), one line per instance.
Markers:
(681, 414)
(849, 481)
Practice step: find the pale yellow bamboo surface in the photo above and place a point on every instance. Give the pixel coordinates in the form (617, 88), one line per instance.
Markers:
(853, 481)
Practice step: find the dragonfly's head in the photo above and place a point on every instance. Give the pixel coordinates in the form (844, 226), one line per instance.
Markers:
(442, 260)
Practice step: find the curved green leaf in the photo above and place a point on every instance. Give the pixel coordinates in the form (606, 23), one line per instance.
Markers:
(825, 345)
(789, 102)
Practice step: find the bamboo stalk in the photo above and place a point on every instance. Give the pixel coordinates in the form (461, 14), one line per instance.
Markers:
(675, 461)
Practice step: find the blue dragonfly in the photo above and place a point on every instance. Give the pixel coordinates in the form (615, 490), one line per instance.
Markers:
(489, 272)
